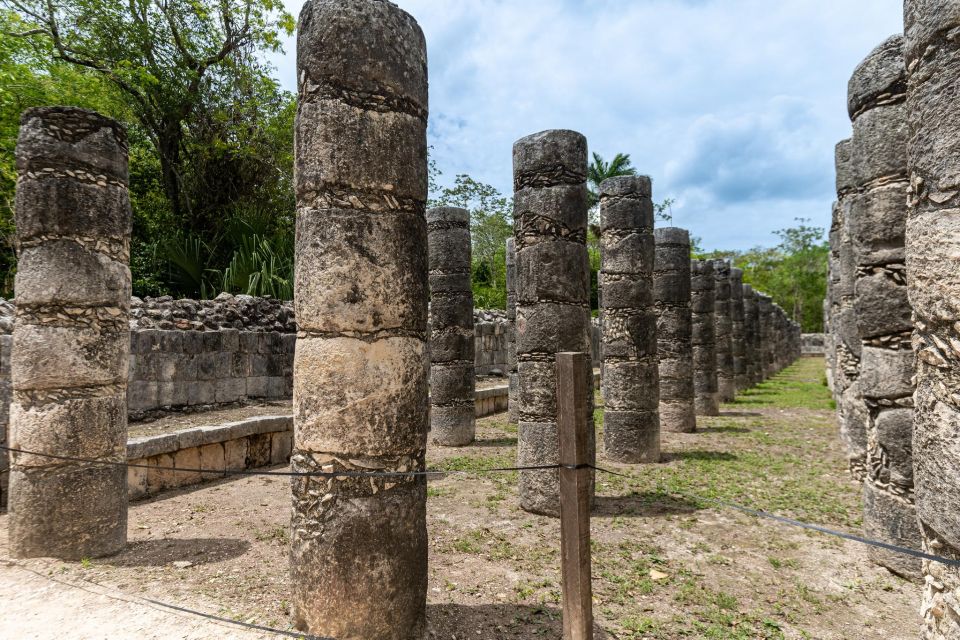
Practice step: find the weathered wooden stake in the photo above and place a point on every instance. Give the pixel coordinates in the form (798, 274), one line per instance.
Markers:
(573, 394)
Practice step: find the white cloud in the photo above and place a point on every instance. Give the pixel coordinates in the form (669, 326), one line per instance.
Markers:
(732, 106)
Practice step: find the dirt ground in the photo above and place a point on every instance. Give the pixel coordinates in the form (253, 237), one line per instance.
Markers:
(664, 565)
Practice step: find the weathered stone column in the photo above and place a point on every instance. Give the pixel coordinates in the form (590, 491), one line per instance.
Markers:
(514, 382)
(71, 339)
(876, 219)
(851, 410)
(631, 390)
(359, 545)
(723, 327)
(737, 346)
(703, 286)
(671, 294)
(765, 313)
(932, 55)
(452, 349)
(751, 325)
(553, 296)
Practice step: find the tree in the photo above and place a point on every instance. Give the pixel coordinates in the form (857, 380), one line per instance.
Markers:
(599, 170)
(491, 223)
(160, 55)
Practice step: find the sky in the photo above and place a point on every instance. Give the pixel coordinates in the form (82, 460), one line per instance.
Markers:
(732, 107)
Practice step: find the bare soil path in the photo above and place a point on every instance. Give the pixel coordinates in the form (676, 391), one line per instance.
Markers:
(665, 566)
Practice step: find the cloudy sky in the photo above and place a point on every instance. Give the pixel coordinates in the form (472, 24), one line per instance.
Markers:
(731, 106)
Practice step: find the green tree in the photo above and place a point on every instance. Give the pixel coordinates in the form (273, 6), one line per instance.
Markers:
(599, 170)
(491, 223)
(163, 56)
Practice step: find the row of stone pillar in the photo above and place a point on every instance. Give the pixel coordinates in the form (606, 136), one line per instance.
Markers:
(368, 258)
(869, 354)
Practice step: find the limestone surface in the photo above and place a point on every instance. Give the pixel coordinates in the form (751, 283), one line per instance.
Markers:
(452, 349)
(71, 337)
(553, 296)
(360, 295)
(671, 294)
(631, 391)
(702, 305)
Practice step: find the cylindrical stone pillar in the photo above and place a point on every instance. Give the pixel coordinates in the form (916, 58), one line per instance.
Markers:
(631, 390)
(671, 294)
(702, 306)
(876, 219)
(71, 339)
(764, 314)
(514, 383)
(932, 54)
(751, 328)
(723, 327)
(452, 350)
(553, 297)
(737, 345)
(359, 544)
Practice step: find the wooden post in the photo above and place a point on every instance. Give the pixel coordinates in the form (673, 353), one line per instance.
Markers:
(573, 389)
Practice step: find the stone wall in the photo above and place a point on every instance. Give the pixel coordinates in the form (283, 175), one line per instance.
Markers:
(813, 344)
(175, 369)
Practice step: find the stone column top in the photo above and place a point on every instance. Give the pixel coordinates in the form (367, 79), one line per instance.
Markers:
(880, 79)
(381, 67)
(550, 158)
(671, 235)
(631, 186)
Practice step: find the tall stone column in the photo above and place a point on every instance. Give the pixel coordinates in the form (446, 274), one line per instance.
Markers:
(71, 339)
(751, 326)
(359, 545)
(631, 390)
(671, 294)
(932, 57)
(703, 285)
(765, 313)
(737, 346)
(553, 296)
(852, 410)
(452, 349)
(877, 217)
(723, 327)
(514, 382)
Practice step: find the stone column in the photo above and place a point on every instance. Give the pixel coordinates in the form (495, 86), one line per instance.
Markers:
(631, 390)
(876, 219)
(553, 296)
(359, 545)
(852, 411)
(764, 313)
(737, 346)
(932, 55)
(723, 327)
(71, 339)
(452, 349)
(671, 294)
(511, 260)
(703, 285)
(751, 330)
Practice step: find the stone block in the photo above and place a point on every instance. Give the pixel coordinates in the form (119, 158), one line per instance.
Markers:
(230, 390)
(212, 459)
(81, 427)
(258, 450)
(161, 477)
(201, 392)
(187, 461)
(350, 395)
(281, 444)
(50, 357)
(64, 272)
(137, 487)
(235, 454)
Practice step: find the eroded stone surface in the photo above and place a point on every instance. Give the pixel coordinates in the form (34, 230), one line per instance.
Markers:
(671, 290)
(703, 308)
(360, 293)
(631, 426)
(71, 340)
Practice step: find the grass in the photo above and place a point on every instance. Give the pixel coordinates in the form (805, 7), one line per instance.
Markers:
(660, 571)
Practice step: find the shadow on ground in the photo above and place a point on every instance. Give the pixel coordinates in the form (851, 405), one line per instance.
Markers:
(157, 553)
(712, 456)
(495, 442)
(642, 505)
(723, 430)
(498, 621)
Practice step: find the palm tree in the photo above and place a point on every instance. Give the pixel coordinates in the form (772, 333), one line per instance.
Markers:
(599, 170)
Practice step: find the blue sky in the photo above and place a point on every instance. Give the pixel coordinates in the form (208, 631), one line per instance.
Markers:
(733, 107)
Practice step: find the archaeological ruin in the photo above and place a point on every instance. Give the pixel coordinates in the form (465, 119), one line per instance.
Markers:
(631, 392)
(452, 351)
(553, 302)
(360, 374)
(932, 59)
(875, 216)
(671, 295)
(703, 308)
(68, 365)
(723, 329)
